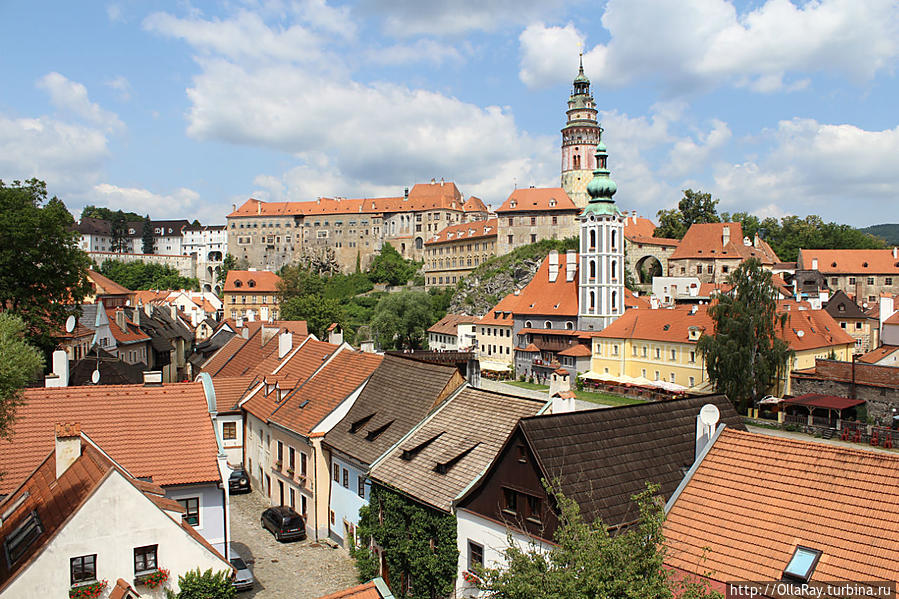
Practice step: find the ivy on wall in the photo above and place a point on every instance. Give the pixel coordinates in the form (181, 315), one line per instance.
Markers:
(418, 545)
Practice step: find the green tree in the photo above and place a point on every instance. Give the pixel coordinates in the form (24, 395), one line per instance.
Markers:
(418, 543)
(299, 281)
(391, 268)
(21, 363)
(42, 269)
(318, 312)
(694, 207)
(793, 233)
(587, 561)
(107, 214)
(204, 585)
(401, 320)
(230, 263)
(149, 240)
(146, 275)
(119, 232)
(744, 356)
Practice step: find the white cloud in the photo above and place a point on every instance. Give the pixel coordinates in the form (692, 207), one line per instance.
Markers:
(114, 13)
(688, 155)
(422, 50)
(180, 203)
(404, 18)
(71, 96)
(121, 85)
(708, 42)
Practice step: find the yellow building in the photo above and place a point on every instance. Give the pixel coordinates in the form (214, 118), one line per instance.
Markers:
(660, 345)
(457, 250)
(251, 294)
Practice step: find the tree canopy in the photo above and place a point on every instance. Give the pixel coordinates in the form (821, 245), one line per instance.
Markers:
(391, 268)
(107, 214)
(148, 239)
(20, 364)
(587, 561)
(42, 269)
(318, 312)
(401, 320)
(204, 585)
(744, 356)
(694, 207)
(146, 275)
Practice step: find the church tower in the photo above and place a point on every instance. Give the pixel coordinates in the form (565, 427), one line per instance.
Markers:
(601, 284)
(579, 138)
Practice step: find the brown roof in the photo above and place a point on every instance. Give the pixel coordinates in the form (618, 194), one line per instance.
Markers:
(317, 397)
(362, 591)
(858, 262)
(827, 402)
(603, 457)
(841, 305)
(876, 355)
(474, 204)
(705, 240)
(447, 325)
(502, 313)
(452, 448)
(544, 298)
(840, 501)
(474, 230)
(106, 286)
(398, 396)
(120, 418)
(532, 199)
(251, 281)
(130, 334)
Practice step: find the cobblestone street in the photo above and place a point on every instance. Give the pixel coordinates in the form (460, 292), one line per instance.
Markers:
(297, 570)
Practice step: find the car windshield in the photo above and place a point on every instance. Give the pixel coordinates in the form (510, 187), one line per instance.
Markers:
(238, 563)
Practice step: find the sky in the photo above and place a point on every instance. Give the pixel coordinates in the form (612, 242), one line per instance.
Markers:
(180, 110)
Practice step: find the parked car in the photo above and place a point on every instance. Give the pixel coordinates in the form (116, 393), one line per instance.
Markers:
(284, 523)
(239, 481)
(243, 578)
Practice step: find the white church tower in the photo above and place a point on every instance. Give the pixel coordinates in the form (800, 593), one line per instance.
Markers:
(601, 285)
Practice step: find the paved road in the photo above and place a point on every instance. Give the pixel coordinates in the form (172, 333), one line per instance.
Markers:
(298, 570)
(501, 387)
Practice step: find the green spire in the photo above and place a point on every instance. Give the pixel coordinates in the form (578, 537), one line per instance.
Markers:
(601, 188)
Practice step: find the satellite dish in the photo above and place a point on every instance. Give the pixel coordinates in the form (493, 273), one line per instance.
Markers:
(70, 324)
(800, 334)
(95, 377)
(709, 415)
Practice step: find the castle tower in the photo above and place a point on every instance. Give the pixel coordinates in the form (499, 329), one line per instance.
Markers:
(579, 138)
(601, 284)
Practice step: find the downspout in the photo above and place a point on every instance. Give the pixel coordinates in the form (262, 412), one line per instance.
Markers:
(315, 489)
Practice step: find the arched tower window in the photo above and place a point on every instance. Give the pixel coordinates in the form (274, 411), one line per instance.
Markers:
(614, 238)
(592, 269)
(576, 162)
(592, 300)
(614, 270)
(547, 325)
(592, 240)
(614, 301)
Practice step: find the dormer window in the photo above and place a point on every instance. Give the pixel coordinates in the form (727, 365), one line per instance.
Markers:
(802, 564)
(513, 204)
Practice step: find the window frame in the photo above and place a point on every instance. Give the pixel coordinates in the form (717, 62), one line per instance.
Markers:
(185, 503)
(474, 548)
(229, 436)
(85, 578)
(144, 552)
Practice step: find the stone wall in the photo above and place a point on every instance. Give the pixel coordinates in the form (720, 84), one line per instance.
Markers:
(637, 255)
(877, 385)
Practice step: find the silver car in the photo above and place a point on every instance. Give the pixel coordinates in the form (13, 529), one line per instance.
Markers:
(243, 577)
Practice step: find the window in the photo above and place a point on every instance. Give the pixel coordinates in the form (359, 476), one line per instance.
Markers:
(361, 487)
(510, 238)
(303, 504)
(673, 355)
(292, 459)
(510, 501)
(533, 221)
(692, 381)
(858, 326)
(870, 280)
(144, 559)
(83, 569)
(535, 508)
(192, 507)
(888, 281)
(280, 453)
(555, 220)
(658, 353)
(346, 478)
(843, 325)
(725, 268)
(533, 238)
(802, 564)
(475, 555)
(229, 431)
(852, 280)
(336, 473)
(293, 499)
(18, 541)
(303, 464)
(699, 269)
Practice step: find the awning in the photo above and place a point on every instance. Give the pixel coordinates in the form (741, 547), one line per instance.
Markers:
(827, 402)
(494, 366)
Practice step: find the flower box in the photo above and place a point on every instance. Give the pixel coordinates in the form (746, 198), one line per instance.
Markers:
(471, 578)
(90, 590)
(153, 579)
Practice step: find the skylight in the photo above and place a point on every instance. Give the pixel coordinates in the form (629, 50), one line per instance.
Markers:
(802, 564)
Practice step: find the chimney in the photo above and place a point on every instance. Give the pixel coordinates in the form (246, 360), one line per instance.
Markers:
(268, 333)
(258, 207)
(173, 311)
(634, 217)
(245, 332)
(239, 322)
(406, 193)
(367, 347)
(559, 381)
(68, 446)
(251, 316)
(233, 207)
(335, 334)
(264, 314)
(120, 319)
(285, 344)
(152, 378)
(570, 265)
(725, 236)
(560, 393)
(814, 264)
(887, 307)
(517, 292)
(895, 253)
(136, 318)
(553, 266)
(706, 422)
(60, 375)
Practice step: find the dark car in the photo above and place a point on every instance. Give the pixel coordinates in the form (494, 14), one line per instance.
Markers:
(284, 523)
(243, 577)
(239, 481)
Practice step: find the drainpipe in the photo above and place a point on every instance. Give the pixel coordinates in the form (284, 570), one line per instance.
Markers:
(852, 394)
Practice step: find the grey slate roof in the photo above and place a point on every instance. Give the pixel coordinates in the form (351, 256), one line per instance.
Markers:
(849, 308)
(452, 448)
(603, 457)
(400, 393)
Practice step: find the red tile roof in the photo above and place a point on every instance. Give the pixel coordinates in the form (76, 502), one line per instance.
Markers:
(105, 286)
(542, 198)
(639, 226)
(632, 300)
(668, 324)
(229, 391)
(706, 240)
(463, 231)
(544, 298)
(577, 351)
(876, 355)
(811, 329)
(131, 334)
(754, 498)
(501, 313)
(122, 419)
(362, 591)
(857, 262)
(644, 240)
(828, 402)
(474, 204)
(449, 323)
(251, 281)
(894, 319)
(258, 354)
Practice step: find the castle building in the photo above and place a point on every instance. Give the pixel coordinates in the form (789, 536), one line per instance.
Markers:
(580, 135)
(454, 252)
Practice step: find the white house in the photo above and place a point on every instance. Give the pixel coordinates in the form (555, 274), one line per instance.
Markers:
(453, 332)
(82, 519)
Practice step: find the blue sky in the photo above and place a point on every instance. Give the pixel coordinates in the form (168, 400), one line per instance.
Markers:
(181, 110)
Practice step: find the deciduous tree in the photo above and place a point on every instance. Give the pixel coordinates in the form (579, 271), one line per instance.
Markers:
(204, 585)
(318, 312)
(147, 237)
(391, 268)
(20, 364)
(401, 319)
(744, 356)
(694, 207)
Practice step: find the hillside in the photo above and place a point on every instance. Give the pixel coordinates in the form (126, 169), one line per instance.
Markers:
(501, 275)
(887, 232)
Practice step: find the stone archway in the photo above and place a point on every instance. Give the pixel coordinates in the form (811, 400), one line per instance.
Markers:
(647, 268)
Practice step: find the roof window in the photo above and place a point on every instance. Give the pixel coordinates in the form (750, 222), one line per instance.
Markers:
(19, 540)
(410, 453)
(444, 467)
(372, 435)
(802, 564)
(360, 423)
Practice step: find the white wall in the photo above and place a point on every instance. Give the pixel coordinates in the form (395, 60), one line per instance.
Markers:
(116, 519)
(493, 537)
(212, 510)
(233, 447)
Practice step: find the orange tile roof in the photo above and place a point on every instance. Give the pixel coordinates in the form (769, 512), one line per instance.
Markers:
(632, 300)
(121, 419)
(229, 391)
(105, 286)
(218, 360)
(251, 281)
(473, 230)
(666, 324)
(449, 323)
(706, 240)
(502, 313)
(811, 329)
(362, 591)
(894, 319)
(474, 204)
(319, 396)
(131, 334)
(645, 240)
(850, 261)
(147, 296)
(577, 351)
(542, 198)
(541, 297)
(258, 354)
(876, 355)
(639, 226)
(755, 497)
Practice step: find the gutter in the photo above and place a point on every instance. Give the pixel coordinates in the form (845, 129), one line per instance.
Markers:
(689, 476)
